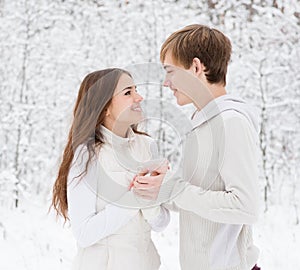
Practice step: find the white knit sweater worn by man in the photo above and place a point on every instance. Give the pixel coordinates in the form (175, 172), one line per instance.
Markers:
(217, 197)
(217, 191)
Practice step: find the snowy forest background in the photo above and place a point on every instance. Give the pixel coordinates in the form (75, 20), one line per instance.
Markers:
(46, 49)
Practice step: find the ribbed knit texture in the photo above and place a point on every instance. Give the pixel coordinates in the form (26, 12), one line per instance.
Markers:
(216, 213)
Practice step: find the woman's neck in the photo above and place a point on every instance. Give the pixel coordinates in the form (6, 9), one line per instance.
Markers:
(120, 129)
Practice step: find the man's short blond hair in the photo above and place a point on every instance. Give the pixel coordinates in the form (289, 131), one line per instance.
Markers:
(210, 45)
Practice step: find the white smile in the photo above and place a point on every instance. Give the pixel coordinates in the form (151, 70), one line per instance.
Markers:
(136, 108)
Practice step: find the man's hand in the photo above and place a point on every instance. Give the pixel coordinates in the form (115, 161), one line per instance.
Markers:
(148, 186)
(147, 183)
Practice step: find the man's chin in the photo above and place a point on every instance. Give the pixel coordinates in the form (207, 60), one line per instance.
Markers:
(180, 103)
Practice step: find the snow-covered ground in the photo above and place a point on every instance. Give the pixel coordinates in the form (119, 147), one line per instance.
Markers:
(32, 239)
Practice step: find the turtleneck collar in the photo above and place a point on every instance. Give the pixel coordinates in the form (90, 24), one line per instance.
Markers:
(113, 139)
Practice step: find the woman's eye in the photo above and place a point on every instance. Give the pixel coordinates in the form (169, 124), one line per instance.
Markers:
(127, 93)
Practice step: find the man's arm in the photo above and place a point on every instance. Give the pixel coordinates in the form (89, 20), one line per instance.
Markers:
(239, 202)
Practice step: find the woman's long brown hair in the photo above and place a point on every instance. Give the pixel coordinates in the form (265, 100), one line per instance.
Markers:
(94, 97)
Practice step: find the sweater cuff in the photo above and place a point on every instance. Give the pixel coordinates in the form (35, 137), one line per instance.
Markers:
(158, 217)
(151, 213)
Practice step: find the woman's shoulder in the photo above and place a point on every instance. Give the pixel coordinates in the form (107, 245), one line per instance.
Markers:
(82, 154)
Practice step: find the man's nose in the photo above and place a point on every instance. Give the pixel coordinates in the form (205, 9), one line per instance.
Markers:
(167, 82)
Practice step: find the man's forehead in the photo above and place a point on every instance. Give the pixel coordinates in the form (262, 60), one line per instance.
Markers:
(170, 61)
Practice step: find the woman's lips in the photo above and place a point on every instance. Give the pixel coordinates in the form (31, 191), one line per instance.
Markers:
(136, 108)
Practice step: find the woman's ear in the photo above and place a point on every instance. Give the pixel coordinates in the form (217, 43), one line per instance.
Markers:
(198, 67)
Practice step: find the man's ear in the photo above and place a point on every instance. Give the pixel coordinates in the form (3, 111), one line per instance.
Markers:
(198, 67)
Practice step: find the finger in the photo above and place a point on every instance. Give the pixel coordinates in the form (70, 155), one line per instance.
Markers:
(140, 185)
(145, 194)
(147, 191)
(131, 185)
(143, 171)
(155, 180)
(144, 179)
(146, 186)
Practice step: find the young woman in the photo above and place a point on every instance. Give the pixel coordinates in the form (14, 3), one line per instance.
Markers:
(96, 171)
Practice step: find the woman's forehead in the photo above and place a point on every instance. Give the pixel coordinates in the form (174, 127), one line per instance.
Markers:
(125, 81)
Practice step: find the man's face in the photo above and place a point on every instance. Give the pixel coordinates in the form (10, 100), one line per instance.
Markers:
(174, 72)
(188, 85)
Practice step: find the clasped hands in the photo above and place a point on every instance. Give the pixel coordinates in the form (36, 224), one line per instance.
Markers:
(146, 184)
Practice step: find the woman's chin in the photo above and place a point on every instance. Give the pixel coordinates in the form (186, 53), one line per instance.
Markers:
(137, 119)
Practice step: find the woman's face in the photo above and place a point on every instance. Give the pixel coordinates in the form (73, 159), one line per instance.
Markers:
(125, 106)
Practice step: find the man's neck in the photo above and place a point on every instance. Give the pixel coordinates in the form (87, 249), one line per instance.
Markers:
(212, 91)
(217, 90)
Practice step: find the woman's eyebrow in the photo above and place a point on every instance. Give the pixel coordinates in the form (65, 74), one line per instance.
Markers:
(126, 88)
(129, 87)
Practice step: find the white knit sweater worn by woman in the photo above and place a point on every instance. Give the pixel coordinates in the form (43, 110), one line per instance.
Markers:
(109, 235)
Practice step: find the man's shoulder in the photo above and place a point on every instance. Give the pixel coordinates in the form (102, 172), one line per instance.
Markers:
(233, 118)
(229, 119)
(231, 115)
(232, 121)
(236, 125)
(226, 118)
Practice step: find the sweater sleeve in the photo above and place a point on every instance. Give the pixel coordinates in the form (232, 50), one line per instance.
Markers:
(89, 226)
(238, 203)
(158, 217)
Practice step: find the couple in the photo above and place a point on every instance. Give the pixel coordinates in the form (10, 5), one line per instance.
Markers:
(216, 194)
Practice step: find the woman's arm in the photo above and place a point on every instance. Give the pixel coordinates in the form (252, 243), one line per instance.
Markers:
(89, 226)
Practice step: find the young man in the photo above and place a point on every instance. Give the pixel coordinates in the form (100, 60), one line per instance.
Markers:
(218, 198)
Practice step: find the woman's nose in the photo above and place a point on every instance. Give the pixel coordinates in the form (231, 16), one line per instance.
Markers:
(138, 97)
